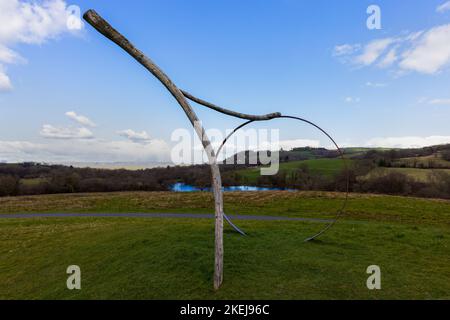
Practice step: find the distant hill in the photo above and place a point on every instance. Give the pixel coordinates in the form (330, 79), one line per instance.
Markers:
(420, 172)
(298, 154)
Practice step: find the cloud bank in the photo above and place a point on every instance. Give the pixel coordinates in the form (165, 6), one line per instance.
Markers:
(426, 52)
(103, 151)
(408, 142)
(31, 22)
(92, 150)
(84, 146)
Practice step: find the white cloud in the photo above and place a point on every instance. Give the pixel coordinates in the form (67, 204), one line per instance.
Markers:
(345, 49)
(9, 56)
(31, 22)
(134, 136)
(373, 51)
(84, 151)
(407, 142)
(352, 99)
(80, 119)
(5, 82)
(443, 7)
(425, 52)
(51, 132)
(431, 53)
(439, 101)
(413, 36)
(435, 101)
(389, 59)
(375, 84)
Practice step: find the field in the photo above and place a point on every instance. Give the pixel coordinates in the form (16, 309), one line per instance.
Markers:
(151, 258)
(422, 175)
(33, 181)
(433, 161)
(325, 167)
(331, 167)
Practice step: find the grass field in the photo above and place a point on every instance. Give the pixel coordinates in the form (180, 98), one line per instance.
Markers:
(331, 167)
(33, 181)
(422, 175)
(325, 167)
(123, 258)
(433, 161)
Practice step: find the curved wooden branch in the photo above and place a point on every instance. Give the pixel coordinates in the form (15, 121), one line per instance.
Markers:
(235, 114)
(112, 34)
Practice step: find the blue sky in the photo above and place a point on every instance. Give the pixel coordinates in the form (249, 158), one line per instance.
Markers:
(314, 59)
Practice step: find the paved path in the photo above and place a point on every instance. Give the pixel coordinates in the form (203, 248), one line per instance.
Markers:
(153, 215)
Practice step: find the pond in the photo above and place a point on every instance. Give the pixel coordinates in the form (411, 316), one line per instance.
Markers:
(181, 187)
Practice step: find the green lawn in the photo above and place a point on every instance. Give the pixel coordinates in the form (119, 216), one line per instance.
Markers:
(123, 258)
(283, 203)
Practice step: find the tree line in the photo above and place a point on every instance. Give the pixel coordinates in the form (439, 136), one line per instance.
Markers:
(35, 178)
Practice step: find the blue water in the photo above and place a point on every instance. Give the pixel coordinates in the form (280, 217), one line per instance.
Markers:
(181, 187)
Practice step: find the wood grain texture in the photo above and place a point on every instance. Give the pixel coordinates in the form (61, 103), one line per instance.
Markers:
(235, 114)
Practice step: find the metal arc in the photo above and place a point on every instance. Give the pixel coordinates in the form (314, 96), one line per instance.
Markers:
(340, 212)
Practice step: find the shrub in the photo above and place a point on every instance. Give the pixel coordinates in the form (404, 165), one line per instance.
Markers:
(391, 183)
(8, 185)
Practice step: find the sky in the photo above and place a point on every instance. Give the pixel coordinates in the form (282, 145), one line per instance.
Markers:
(67, 94)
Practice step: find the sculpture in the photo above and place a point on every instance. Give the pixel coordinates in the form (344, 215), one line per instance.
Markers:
(182, 97)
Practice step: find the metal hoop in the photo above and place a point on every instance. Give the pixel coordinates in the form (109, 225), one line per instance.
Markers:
(340, 212)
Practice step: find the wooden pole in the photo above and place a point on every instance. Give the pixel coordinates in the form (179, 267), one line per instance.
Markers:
(181, 96)
(112, 34)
